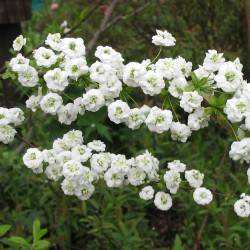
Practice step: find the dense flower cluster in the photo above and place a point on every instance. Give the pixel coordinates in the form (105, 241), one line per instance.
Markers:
(61, 63)
(80, 166)
(9, 118)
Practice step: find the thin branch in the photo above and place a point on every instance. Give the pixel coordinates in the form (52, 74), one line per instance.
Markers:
(30, 144)
(199, 233)
(103, 25)
(83, 19)
(124, 17)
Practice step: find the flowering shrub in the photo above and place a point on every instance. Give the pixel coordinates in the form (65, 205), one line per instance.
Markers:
(215, 89)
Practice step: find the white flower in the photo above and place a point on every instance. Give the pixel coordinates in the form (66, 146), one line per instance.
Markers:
(33, 158)
(63, 157)
(16, 116)
(242, 208)
(229, 77)
(5, 117)
(67, 114)
(240, 150)
(146, 162)
(97, 146)
(19, 63)
(163, 201)
(182, 67)
(109, 56)
(112, 87)
(120, 164)
(33, 102)
(180, 132)
(198, 119)
(172, 179)
(73, 47)
(135, 118)
(79, 106)
(100, 72)
(147, 193)
(133, 72)
(176, 165)
(45, 57)
(159, 120)
(213, 60)
(93, 100)
(163, 38)
(50, 103)
(113, 178)
(53, 172)
(100, 162)
(68, 187)
(60, 145)
(56, 79)
(76, 67)
(202, 196)
(54, 41)
(177, 86)
(136, 176)
(73, 138)
(190, 101)
(118, 111)
(19, 42)
(28, 77)
(166, 67)
(85, 192)
(49, 156)
(72, 168)
(194, 178)
(236, 108)
(152, 83)
(7, 134)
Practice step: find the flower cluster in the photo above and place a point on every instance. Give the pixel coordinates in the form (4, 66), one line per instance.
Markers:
(80, 166)
(108, 82)
(9, 118)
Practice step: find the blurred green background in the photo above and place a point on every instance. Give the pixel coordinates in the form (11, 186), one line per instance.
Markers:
(117, 218)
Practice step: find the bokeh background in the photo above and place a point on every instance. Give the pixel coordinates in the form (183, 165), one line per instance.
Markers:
(117, 218)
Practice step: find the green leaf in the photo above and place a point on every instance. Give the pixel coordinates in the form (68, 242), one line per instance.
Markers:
(103, 131)
(41, 245)
(19, 242)
(4, 229)
(41, 233)
(36, 229)
(177, 243)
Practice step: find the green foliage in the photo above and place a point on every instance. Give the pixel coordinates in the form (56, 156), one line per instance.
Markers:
(17, 242)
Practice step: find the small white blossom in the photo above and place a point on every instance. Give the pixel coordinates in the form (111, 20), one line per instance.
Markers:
(163, 38)
(147, 193)
(172, 179)
(190, 101)
(176, 165)
(163, 201)
(152, 83)
(202, 196)
(180, 132)
(159, 120)
(118, 111)
(45, 57)
(93, 100)
(19, 42)
(194, 178)
(50, 103)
